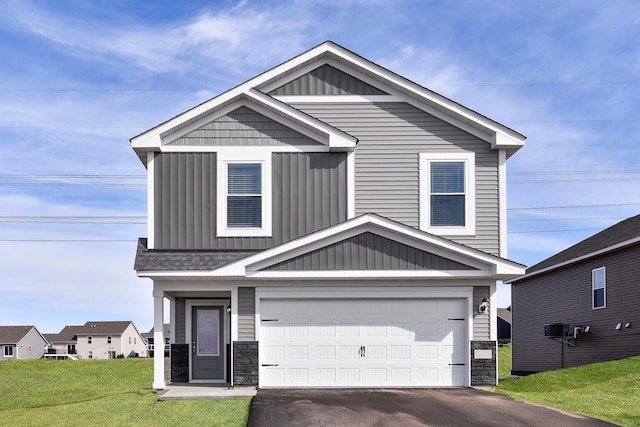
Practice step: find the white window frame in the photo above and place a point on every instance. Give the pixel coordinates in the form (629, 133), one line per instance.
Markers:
(593, 287)
(223, 160)
(425, 159)
(8, 351)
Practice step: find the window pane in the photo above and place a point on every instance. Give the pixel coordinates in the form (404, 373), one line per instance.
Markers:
(598, 298)
(244, 178)
(598, 278)
(244, 211)
(447, 177)
(447, 210)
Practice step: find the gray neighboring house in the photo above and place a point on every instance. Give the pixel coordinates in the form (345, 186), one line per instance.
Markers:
(581, 305)
(327, 223)
(21, 342)
(504, 326)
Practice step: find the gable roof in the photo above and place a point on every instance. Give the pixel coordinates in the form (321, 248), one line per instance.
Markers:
(66, 335)
(624, 233)
(458, 256)
(504, 314)
(104, 328)
(256, 92)
(14, 334)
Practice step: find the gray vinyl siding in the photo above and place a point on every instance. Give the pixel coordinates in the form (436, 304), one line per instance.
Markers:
(181, 321)
(327, 80)
(390, 138)
(369, 251)
(481, 321)
(309, 193)
(565, 296)
(244, 126)
(246, 314)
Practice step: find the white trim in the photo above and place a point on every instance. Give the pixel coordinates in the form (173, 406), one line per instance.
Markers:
(577, 259)
(351, 185)
(151, 218)
(502, 203)
(470, 193)
(189, 304)
(593, 288)
(255, 156)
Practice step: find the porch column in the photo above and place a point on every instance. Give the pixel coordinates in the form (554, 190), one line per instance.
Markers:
(158, 340)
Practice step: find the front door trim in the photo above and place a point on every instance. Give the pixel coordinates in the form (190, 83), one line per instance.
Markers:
(189, 304)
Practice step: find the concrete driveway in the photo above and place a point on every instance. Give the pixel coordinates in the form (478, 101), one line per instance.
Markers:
(402, 407)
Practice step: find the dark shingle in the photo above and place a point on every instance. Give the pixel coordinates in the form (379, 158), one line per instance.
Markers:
(184, 260)
(618, 233)
(13, 334)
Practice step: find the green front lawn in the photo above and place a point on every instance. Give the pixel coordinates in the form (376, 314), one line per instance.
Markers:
(101, 392)
(609, 391)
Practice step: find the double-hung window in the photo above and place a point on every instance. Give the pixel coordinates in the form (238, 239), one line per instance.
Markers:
(599, 286)
(8, 351)
(244, 194)
(447, 193)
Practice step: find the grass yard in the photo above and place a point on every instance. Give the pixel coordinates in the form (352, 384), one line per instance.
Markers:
(101, 392)
(608, 391)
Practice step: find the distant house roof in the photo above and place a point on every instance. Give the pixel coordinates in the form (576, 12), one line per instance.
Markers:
(504, 314)
(66, 335)
(624, 233)
(14, 334)
(104, 328)
(166, 331)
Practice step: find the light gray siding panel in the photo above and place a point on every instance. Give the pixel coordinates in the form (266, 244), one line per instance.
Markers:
(246, 314)
(565, 296)
(244, 126)
(368, 251)
(390, 138)
(481, 321)
(327, 80)
(309, 193)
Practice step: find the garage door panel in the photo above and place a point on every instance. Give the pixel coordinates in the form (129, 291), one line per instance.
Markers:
(362, 343)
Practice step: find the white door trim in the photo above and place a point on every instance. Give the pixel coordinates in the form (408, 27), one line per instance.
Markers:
(189, 304)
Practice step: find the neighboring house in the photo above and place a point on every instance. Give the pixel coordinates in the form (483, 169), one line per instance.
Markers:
(64, 342)
(504, 325)
(108, 340)
(166, 331)
(581, 305)
(327, 223)
(21, 342)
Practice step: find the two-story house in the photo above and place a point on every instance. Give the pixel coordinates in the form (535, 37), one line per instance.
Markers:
(327, 223)
(109, 340)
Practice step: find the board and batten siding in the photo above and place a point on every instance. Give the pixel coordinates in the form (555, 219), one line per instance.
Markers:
(309, 193)
(390, 138)
(565, 296)
(481, 321)
(246, 314)
(369, 251)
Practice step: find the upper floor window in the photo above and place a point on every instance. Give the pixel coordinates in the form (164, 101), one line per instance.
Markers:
(447, 193)
(244, 194)
(108, 340)
(89, 340)
(599, 286)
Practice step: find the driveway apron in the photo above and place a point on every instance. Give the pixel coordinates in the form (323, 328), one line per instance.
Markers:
(403, 407)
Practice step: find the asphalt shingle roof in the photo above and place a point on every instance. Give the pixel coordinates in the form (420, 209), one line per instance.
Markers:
(13, 334)
(179, 260)
(103, 328)
(617, 233)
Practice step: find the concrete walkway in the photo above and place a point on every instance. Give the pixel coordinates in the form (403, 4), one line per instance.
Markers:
(205, 391)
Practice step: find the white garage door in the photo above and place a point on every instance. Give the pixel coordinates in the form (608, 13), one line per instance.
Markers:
(362, 343)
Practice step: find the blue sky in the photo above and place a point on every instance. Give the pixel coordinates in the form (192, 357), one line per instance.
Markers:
(79, 78)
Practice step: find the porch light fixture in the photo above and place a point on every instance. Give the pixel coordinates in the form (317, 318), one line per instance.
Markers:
(484, 306)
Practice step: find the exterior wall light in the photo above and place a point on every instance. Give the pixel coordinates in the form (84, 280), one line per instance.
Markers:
(627, 325)
(484, 306)
(618, 326)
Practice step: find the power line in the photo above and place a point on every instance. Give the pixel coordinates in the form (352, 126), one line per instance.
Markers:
(573, 207)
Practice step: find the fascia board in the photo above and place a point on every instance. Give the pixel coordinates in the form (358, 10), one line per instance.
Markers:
(151, 138)
(422, 92)
(575, 260)
(370, 274)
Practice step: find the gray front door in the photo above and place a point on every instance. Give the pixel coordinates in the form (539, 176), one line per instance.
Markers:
(207, 343)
